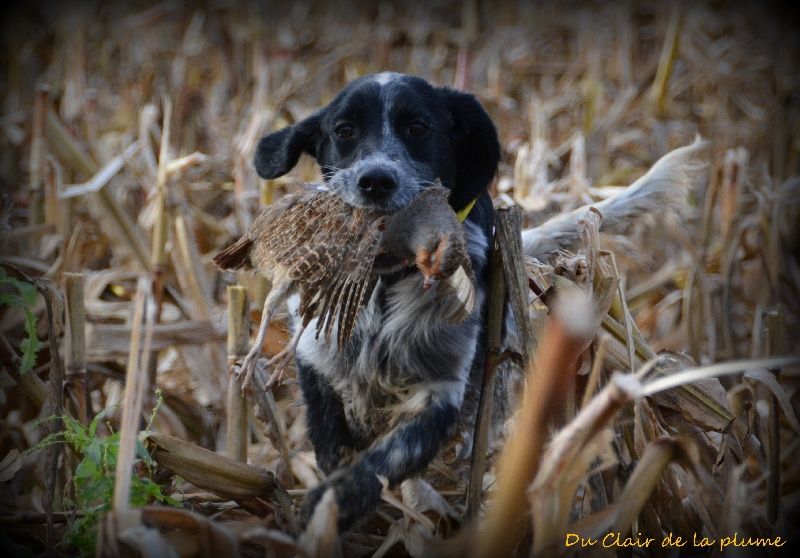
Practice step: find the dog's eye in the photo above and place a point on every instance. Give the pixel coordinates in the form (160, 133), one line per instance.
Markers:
(417, 129)
(345, 131)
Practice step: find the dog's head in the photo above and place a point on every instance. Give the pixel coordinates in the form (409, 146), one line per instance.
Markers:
(387, 136)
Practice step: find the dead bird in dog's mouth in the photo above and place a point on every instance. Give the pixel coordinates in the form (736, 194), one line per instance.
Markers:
(331, 254)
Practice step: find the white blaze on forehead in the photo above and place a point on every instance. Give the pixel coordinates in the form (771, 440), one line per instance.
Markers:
(385, 77)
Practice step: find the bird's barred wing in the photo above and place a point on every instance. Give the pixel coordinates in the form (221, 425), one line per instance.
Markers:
(327, 248)
(351, 282)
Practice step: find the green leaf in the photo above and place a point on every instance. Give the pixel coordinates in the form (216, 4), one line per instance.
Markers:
(169, 500)
(95, 490)
(11, 299)
(28, 292)
(30, 344)
(26, 300)
(87, 469)
(94, 452)
(111, 450)
(75, 433)
(141, 453)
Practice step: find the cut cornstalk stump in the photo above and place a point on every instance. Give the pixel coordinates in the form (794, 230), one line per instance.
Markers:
(236, 408)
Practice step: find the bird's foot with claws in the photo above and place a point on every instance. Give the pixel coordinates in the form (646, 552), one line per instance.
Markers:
(247, 368)
(278, 365)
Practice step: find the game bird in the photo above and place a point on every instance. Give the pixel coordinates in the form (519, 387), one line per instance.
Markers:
(312, 243)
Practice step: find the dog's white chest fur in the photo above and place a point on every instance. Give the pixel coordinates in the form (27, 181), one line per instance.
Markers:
(400, 356)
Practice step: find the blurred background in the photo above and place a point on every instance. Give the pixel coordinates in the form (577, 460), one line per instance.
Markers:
(127, 131)
(585, 96)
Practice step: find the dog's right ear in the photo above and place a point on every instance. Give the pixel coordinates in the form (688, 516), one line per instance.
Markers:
(277, 153)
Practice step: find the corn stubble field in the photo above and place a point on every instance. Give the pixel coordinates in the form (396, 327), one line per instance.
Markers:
(127, 137)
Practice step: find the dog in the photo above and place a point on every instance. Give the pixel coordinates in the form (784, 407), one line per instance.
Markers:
(385, 403)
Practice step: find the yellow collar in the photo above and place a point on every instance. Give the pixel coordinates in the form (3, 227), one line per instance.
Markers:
(464, 213)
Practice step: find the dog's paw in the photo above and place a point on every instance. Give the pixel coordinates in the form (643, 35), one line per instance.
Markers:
(357, 493)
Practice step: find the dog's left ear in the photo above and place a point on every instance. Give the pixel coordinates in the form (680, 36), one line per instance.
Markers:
(476, 146)
(277, 153)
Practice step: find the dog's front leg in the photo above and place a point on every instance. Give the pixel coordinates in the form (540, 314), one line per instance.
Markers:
(403, 451)
(327, 426)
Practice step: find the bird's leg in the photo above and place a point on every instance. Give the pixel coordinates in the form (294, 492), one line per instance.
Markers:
(276, 296)
(282, 359)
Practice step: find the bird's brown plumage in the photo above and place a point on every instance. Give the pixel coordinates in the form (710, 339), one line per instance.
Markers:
(326, 247)
(327, 250)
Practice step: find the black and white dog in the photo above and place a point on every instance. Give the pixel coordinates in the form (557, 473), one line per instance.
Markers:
(386, 403)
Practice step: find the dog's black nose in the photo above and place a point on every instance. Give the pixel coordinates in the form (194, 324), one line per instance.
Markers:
(377, 183)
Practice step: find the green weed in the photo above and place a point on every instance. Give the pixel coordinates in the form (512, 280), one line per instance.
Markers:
(25, 299)
(94, 477)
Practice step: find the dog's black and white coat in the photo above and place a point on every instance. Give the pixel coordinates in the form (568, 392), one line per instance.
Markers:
(386, 403)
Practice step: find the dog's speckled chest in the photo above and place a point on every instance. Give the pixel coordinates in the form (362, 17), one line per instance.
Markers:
(400, 356)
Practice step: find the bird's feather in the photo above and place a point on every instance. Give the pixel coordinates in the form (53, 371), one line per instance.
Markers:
(328, 249)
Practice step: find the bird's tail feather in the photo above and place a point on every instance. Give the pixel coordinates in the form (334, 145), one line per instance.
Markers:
(235, 256)
(459, 288)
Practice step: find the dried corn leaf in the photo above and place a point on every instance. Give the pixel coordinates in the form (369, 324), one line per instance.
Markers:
(113, 340)
(421, 496)
(208, 537)
(148, 542)
(771, 382)
(9, 466)
(210, 471)
(703, 403)
(320, 539)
